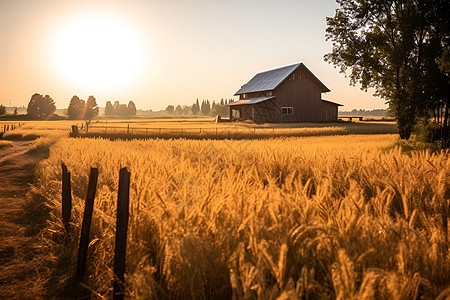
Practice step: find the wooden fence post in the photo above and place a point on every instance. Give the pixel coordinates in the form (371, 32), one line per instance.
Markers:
(86, 226)
(74, 131)
(66, 197)
(121, 234)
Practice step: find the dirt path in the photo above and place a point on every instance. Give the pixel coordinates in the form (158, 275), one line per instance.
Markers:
(21, 261)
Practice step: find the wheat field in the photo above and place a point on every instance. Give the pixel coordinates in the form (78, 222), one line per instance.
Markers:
(337, 217)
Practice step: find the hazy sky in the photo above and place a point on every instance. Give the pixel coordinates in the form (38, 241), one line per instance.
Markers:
(158, 53)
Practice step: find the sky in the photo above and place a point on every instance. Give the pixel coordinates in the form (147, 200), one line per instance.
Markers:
(158, 53)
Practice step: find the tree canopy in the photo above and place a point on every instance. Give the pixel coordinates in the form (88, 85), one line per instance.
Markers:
(131, 108)
(75, 109)
(394, 47)
(109, 109)
(41, 107)
(90, 109)
(170, 109)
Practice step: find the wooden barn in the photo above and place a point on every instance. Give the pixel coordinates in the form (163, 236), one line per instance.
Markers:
(287, 94)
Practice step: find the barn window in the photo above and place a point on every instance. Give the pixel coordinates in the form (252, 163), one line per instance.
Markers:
(269, 93)
(289, 110)
(292, 77)
(244, 96)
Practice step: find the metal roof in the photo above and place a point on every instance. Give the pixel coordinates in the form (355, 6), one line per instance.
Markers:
(250, 101)
(269, 80)
(338, 104)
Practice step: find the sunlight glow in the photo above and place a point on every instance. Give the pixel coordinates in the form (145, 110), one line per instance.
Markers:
(98, 51)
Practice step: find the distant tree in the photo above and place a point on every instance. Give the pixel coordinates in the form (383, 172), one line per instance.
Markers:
(206, 107)
(15, 111)
(90, 109)
(75, 109)
(195, 108)
(186, 109)
(122, 110)
(41, 107)
(214, 108)
(178, 110)
(2, 110)
(170, 109)
(109, 109)
(131, 108)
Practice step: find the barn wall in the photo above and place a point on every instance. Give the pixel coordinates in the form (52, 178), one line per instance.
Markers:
(304, 95)
(263, 112)
(329, 111)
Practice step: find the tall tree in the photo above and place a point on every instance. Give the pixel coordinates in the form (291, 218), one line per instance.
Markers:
(206, 107)
(90, 109)
(392, 46)
(41, 107)
(75, 108)
(2, 110)
(109, 109)
(195, 108)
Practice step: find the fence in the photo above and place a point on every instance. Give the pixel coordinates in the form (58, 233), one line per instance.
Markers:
(7, 127)
(121, 224)
(226, 132)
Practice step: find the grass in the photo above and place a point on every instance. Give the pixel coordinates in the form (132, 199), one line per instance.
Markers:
(345, 217)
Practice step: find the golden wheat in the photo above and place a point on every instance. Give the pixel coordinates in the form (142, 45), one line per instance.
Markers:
(315, 217)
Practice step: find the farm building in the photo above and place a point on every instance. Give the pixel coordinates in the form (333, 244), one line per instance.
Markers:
(287, 94)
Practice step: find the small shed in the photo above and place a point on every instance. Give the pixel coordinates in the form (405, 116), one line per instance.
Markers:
(288, 94)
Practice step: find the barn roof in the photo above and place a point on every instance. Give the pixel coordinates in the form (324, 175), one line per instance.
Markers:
(269, 80)
(251, 100)
(335, 103)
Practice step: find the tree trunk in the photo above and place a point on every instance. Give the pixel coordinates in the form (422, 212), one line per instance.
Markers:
(445, 133)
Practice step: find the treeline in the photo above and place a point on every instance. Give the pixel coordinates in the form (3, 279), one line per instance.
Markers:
(205, 108)
(3, 110)
(82, 110)
(363, 112)
(43, 108)
(120, 109)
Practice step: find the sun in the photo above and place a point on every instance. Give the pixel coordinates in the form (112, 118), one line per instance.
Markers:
(98, 52)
